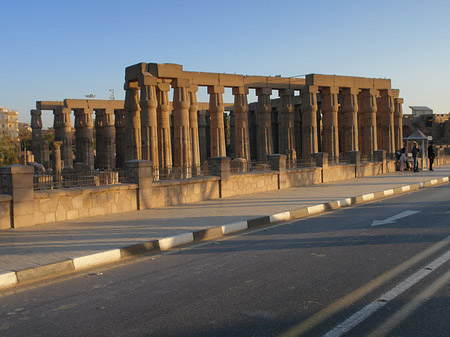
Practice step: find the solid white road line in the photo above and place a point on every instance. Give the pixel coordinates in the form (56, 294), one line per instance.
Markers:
(411, 306)
(369, 309)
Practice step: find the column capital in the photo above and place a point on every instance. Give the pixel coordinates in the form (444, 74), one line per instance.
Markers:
(131, 86)
(350, 91)
(263, 91)
(163, 86)
(330, 90)
(306, 89)
(286, 92)
(193, 88)
(369, 92)
(147, 79)
(180, 82)
(240, 91)
(386, 92)
(216, 89)
(399, 100)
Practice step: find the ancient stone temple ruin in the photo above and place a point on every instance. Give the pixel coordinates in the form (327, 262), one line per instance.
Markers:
(293, 116)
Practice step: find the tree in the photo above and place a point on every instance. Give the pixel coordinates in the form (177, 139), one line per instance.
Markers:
(8, 151)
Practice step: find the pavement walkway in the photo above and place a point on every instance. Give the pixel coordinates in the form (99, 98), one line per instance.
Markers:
(29, 253)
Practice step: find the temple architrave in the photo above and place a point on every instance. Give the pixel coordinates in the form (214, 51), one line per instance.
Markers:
(318, 113)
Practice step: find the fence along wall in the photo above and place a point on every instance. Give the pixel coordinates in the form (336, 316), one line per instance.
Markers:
(74, 203)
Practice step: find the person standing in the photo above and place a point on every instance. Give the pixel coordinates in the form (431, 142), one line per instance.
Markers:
(402, 159)
(415, 152)
(431, 155)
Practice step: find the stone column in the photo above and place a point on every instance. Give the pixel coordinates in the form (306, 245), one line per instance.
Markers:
(84, 137)
(264, 124)
(286, 136)
(119, 126)
(164, 141)
(241, 140)
(57, 124)
(203, 135)
(330, 133)
(99, 129)
(132, 122)
(385, 121)
(350, 119)
(398, 122)
(233, 134)
(309, 120)
(108, 140)
(57, 157)
(104, 129)
(368, 121)
(66, 137)
(193, 127)
(36, 136)
(45, 155)
(216, 109)
(149, 121)
(182, 137)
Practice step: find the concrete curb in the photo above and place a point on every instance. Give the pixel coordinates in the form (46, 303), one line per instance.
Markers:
(16, 278)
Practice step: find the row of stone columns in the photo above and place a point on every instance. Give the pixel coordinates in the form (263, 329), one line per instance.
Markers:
(84, 137)
(369, 120)
(147, 110)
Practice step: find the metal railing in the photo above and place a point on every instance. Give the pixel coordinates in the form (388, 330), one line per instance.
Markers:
(179, 173)
(69, 179)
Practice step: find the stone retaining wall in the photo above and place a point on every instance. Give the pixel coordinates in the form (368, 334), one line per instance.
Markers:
(174, 192)
(74, 203)
(301, 177)
(251, 182)
(339, 172)
(5, 211)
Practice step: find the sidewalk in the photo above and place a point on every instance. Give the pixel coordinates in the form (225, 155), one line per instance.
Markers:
(50, 249)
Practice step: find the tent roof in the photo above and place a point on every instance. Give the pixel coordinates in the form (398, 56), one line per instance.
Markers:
(417, 135)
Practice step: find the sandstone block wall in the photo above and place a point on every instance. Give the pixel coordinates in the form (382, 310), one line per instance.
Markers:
(5, 211)
(338, 172)
(170, 193)
(302, 177)
(370, 169)
(61, 205)
(247, 183)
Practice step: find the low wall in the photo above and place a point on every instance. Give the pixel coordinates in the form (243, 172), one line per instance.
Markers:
(174, 192)
(68, 204)
(301, 177)
(247, 183)
(74, 203)
(5, 211)
(339, 172)
(370, 169)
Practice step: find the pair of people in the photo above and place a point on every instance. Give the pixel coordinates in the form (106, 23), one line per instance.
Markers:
(415, 154)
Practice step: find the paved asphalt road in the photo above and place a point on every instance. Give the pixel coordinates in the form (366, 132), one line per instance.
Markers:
(323, 275)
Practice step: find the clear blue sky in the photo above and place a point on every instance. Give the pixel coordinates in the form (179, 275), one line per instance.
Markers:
(53, 50)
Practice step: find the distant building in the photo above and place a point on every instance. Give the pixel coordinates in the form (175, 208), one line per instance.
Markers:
(434, 125)
(421, 110)
(9, 124)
